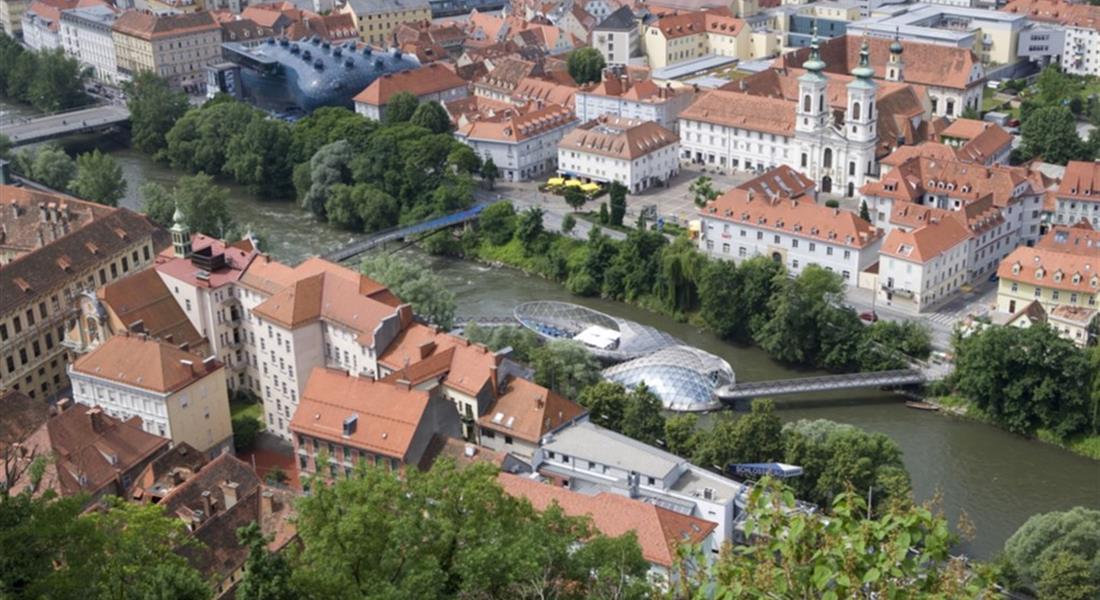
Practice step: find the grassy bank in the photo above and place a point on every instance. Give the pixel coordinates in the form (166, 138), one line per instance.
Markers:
(1085, 445)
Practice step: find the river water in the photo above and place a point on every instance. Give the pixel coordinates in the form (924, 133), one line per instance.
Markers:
(997, 479)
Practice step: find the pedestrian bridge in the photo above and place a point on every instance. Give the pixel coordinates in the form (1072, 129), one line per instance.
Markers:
(780, 387)
(62, 124)
(379, 238)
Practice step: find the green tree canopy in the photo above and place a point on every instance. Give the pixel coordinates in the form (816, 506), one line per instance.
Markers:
(606, 401)
(401, 108)
(702, 189)
(330, 166)
(565, 367)
(498, 222)
(204, 204)
(1051, 132)
(642, 417)
(154, 109)
(586, 65)
(49, 80)
(521, 340)
(489, 171)
(98, 178)
(267, 575)
(529, 230)
(1047, 542)
(1007, 373)
(617, 194)
(259, 157)
(50, 166)
(413, 283)
(431, 116)
(750, 438)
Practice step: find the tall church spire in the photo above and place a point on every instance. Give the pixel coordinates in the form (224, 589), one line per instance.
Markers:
(181, 234)
(814, 65)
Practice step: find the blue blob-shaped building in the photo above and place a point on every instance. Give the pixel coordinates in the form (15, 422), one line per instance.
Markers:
(285, 76)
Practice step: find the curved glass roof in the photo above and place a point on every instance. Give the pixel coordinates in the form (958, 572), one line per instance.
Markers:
(683, 377)
(609, 338)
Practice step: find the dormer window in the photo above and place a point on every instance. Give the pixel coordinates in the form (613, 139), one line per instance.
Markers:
(1039, 273)
(1016, 269)
(1058, 275)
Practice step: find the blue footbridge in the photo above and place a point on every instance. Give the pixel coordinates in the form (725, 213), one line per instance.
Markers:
(401, 232)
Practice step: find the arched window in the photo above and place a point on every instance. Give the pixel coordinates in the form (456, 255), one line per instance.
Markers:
(807, 104)
(821, 103)
(855, 110)
(827, 162)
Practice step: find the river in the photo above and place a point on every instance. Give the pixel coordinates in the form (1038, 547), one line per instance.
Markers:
(997, 479)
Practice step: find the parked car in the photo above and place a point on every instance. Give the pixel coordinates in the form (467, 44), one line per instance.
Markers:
(869, 316)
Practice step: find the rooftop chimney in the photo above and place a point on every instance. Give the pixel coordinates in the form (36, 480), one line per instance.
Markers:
(95, 417)
(267, 503)
(229, 492)
(207, 502)
(350, 424)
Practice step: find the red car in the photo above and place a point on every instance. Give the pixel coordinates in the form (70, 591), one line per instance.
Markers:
(868, 316)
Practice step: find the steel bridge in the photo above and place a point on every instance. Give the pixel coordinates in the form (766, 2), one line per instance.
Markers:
(62, 124)
(779, 387)
(396, 233)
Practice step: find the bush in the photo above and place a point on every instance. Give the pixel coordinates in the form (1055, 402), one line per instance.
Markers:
(245, 431)
(832, 203)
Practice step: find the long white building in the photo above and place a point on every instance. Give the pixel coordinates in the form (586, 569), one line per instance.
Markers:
(637, 154)
(86, 36)
(618, 96)
(522, 142)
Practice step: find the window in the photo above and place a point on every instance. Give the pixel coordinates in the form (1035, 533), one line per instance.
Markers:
(508, 440)
(827, 161)
(855, 110)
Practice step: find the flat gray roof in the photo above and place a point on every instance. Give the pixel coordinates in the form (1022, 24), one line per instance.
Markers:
(591, 442)
(695, 65)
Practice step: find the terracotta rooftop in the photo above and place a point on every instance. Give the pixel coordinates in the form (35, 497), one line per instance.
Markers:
(1081, 181)
(470, 368)
(143, 301)
(1082, 15)
(803, 218)
(699, 22)
(429, 79)
(232, 264)
(20, 417)
(1068, 271)
(30, 219)
(145, 363)
(780, 182)
(386, 414)
(617, 137)
(538, 90)
(27, 278)
(1079, 238)
(926, 242)
(659, 531)
(733, 109)
(643, 90)
(529, 411)
(966, 181)
(149, 26)
(516, 125)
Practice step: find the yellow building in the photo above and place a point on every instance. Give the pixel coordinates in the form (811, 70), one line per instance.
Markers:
(1061, 270)
(176, 47)
(39, 288)
(11, 16)
(687, 36)
(177, 394)
(377, 20)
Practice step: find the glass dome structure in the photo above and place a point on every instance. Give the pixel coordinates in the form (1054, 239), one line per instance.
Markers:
(684, 378)
(610, 339)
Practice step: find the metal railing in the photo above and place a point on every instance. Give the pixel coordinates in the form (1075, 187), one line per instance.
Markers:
(819, 384)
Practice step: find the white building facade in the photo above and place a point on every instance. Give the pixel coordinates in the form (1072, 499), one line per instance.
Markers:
(86, 36)
(638, 100)
(522, 146)
(637, 154)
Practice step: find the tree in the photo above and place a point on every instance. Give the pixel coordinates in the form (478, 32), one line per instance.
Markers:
(1051, 132)
(431, 116)
(1006, 372)
(416, 284)
(489, 171)
(586, 65)
(836, 456)
(498, 222)
(565, 367)
(521, 340)
(618, 203)
(450, 533)
(755, 437)
(330, 166)
(464, 160)
(642, 418)
(154, 108)
(574, 197)
(267, 575)
(58, 82)
(864, 212)
(680, 268)
(401, 107)
(1047, 543)
(245, 431)
(718, 291)
(568, 223)
(1066, 577)
(905, 553)
(98, 178)
(53, 168)
(204, 204)
(793, 333)
(603, 217)
(681, 436)
(259, 157)
(529, 230)
(606, 402)
(702, 190)
(200, 140)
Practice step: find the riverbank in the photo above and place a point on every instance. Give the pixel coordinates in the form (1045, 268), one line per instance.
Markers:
(957, 406)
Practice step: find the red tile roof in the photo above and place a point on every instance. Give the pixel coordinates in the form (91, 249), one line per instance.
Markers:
(691, 23)
(1068, 271)
(1081, 181)
(803, 218)
(148, 26)
(659, 531)
(926, 242)
(145, 363)
(529, 411)
(617, 137)
(429, 79)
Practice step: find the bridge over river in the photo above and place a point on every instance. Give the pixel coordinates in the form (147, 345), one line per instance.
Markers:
(824, 383)
(57, 125)
(379, 238)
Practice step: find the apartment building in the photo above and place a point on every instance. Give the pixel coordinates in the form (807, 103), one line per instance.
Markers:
(686, 36)
(176, 394)
(1078, 195)
(430, 83)
(11, 16)
(618, 37)
(359, 419)
(1063, 32)
(660, 531)
(522, 415)
(86, 34)
(636, 154)
(923, 267)
(617, 95)
(587, 458)
(523, 142)
(177, 47)
(1059, 271)
(377, 20)
(62, 248)
(793, 230)
(41, 23)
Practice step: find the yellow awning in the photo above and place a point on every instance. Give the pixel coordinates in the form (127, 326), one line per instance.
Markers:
(573, 183)
(590, 187)
(555, 181)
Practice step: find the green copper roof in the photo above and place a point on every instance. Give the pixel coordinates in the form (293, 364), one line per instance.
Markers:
(864, 70)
